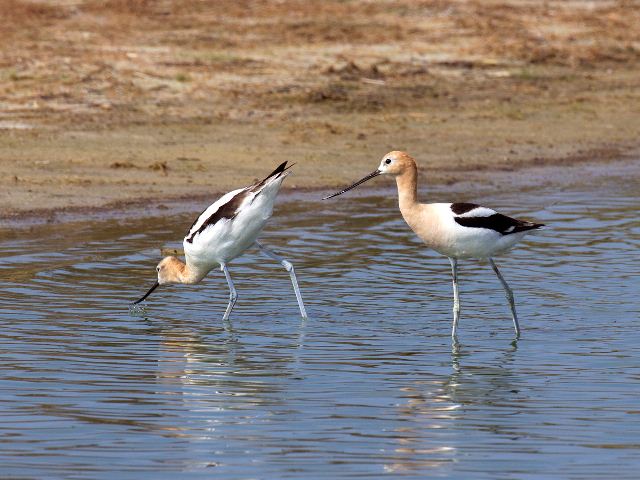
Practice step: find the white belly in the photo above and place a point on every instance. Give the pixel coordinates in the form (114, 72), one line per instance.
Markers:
(469, 242)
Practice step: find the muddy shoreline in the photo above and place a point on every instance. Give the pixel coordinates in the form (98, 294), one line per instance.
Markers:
(581, 171)
(119, 105)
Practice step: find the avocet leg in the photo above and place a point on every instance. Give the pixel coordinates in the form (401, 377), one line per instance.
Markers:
(456, 297)
(292, 273)
(233, 295)
(509, 294)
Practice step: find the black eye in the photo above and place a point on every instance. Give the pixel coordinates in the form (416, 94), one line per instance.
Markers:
(387, 161)
(158, 269)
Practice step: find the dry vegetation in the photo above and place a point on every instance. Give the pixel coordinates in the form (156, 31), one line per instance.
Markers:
(95, 88)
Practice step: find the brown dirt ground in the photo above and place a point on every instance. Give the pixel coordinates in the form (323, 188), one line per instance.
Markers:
(108, 102)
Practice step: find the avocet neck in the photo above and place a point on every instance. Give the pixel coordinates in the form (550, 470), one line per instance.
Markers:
(408, 188)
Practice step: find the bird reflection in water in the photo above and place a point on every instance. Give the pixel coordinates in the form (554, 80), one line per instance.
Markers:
(432, 407)
(214, 372)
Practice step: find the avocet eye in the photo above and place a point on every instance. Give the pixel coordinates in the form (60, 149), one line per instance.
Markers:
(387, 161)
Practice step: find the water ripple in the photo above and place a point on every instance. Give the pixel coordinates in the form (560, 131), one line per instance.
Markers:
(369, 385)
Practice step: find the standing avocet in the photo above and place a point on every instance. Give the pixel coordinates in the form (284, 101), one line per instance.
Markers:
(457, 230)
(223, 232)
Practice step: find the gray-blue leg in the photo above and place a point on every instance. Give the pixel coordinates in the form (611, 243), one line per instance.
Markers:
(509, 294)
(456, 297)
(233, 295)
(292, 273)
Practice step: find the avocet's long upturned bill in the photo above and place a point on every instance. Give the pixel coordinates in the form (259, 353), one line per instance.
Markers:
(457, 230)
(223, 232)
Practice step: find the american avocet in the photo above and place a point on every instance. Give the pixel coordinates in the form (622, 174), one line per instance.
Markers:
(457, 230)
(223, 232)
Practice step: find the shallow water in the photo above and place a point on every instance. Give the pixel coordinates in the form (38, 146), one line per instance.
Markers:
(369, 385)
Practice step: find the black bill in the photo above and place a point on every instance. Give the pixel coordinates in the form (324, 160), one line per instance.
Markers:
(155, 285)
(368, 177)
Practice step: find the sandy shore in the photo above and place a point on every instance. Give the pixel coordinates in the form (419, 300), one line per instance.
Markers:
(108, 104)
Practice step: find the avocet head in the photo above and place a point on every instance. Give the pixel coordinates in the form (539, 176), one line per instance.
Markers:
(169, 270)
(396, 163)
(393, 163)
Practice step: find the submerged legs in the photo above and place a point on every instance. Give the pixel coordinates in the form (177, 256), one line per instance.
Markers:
(233, 295)
(456, 297)
(509, 294)
(292, 273)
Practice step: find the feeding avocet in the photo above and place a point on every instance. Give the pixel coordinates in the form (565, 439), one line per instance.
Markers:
(224, 231)
(457, 230)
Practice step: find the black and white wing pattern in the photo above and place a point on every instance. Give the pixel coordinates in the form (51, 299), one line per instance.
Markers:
(476, 216)
(228, 206)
